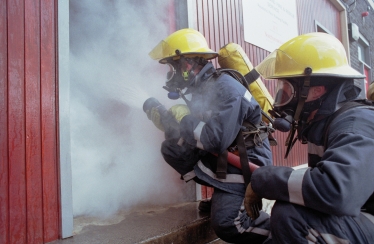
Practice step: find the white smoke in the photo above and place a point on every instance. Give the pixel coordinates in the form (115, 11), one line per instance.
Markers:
(116, 161)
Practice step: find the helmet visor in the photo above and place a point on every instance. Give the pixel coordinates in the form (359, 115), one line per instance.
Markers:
(162, 50)
(284, 93)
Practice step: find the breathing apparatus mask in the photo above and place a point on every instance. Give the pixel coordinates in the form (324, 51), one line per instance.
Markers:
(285, 103)
(179, 76)
(291, 112)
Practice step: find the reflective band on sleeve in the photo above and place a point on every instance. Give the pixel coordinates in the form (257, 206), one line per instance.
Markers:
(199, 145)
(241, 223)
(295, 184)
(369, 216)
(316, 150)
(189, 176)
(230, 178)
(197, 134)
(248, 96)
(328, 238)
(259, 231)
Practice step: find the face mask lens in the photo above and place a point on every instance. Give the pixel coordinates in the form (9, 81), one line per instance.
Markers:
(171, 73)
(284, 93)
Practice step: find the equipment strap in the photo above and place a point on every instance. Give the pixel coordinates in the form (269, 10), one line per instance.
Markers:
(222, 165)
(252, 76)
(243, 158)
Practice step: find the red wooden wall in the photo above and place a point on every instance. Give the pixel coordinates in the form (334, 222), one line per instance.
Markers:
(29, 204)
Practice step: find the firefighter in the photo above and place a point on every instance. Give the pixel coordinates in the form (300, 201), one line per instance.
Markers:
(217, 108)
(331, 200)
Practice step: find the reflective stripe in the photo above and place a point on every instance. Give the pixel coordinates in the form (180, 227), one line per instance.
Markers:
(238, 222)
(295, 184)
(248, 95)
(197, 134)
(314, 149)
(328, 238)
(189, 176)
(230, 178)
(369, 216)
(258, 231)
(311, 238)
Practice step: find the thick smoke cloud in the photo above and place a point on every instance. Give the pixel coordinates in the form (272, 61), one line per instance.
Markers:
(116, 159)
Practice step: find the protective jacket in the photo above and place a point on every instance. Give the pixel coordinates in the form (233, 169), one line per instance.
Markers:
(219, 105)
(340, 177)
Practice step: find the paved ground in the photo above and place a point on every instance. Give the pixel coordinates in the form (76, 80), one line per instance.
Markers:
(181, 223)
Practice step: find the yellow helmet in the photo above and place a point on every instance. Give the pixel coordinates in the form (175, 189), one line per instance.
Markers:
(321, 52)
(187, 42)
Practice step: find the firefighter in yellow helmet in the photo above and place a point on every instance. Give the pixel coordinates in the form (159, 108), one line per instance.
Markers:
(219, 111)
(331, 200)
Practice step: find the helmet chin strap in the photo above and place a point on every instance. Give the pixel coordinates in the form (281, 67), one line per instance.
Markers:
(302, 97)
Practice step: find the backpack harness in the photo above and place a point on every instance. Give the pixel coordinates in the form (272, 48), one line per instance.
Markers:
(249, 135)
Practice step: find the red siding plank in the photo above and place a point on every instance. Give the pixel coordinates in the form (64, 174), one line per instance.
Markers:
(234, 21)
(322, 11)
(200, 16)
(16, 127)
(205, 16)
(239, 21)
(229, 21)
(216, 26)
(4, 191)
(221, 39)
(49, 120)
(33, 135)
(225, 28)
(171, 11)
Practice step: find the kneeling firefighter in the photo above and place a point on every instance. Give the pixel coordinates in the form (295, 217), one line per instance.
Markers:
(332, 200)
(221, 115)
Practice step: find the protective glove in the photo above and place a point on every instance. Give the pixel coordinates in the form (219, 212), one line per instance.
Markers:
(252, 203)
(154, 115)
(179, 111)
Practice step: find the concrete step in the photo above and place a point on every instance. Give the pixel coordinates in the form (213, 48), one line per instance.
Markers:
(179, 223)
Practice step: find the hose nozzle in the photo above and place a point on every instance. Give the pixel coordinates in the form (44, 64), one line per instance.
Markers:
(151, 103)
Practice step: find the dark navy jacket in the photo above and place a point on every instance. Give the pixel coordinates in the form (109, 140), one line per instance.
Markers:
(219, 106)
(340, 177)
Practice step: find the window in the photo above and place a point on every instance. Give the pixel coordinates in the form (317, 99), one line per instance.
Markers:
(363, 50)
(364, 58)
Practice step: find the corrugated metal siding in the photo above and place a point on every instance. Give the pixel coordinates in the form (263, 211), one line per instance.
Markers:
(29, 204)
(322, 11)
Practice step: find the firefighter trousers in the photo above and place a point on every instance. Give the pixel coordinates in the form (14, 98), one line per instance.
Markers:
(292, 223)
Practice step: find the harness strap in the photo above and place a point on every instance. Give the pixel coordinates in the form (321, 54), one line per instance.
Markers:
(222, 165)
(243, 158)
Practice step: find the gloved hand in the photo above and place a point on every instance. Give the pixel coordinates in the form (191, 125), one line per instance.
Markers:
(179, 111)
(154, 115)
(252, 203)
